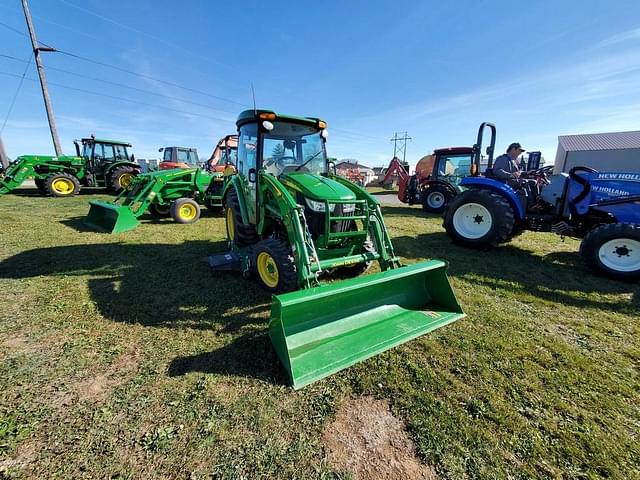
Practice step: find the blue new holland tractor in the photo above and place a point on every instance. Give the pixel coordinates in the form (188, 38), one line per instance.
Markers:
(601, 208)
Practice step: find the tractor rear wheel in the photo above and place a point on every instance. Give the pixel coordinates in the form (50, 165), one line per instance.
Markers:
(479, 219)
(275, 266)
(237, 232)
(613, 250)
(160, 211)
(121, 178)
(435, 199)
(185, 210)
(62, 185)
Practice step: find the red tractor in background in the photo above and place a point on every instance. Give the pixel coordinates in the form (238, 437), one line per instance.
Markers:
(437, 177)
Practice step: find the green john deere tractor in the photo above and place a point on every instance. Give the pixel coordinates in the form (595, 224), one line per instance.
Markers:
(292, 223)
(101, 163)
(177, 193)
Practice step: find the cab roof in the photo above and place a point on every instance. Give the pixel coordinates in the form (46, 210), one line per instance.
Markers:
(249, 116)
(103, 140)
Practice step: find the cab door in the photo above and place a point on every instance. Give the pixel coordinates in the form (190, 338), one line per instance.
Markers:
(247, 167)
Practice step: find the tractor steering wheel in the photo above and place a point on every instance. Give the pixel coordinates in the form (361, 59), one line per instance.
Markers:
(541, 175)
(280, 162)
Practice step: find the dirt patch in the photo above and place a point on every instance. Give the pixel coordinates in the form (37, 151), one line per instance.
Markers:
(367, 441)
(18, 343)
(97, 387)
(25, 455)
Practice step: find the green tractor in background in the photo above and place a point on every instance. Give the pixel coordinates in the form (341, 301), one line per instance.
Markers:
(292, 222)
(100, 163)
(176, 193)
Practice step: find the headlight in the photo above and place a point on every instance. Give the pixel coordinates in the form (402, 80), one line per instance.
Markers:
(348, 208)
(318, 206)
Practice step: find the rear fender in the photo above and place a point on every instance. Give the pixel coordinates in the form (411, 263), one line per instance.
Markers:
(440, 183)
(498, 187)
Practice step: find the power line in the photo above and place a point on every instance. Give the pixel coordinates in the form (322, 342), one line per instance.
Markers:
(400, 147)
(123, 99)
(122, 85)
(15, 96)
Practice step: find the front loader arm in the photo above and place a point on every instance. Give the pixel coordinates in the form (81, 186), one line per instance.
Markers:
(382, 239)
(16, 174)
(276, 202)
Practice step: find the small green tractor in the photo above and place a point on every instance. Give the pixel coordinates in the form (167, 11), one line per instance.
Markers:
(176, 192)
(101, 163)
(293, 223)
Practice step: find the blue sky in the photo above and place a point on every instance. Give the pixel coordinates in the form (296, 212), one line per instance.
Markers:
(434, 69)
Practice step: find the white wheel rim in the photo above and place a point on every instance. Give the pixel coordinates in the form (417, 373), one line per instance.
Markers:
(472, 221)
(620, 254)
(435, 200)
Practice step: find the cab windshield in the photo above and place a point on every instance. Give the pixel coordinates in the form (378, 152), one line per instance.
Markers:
(293, 147)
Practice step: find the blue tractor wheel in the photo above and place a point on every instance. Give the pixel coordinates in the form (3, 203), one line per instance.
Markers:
(479, 219)
(613, 250)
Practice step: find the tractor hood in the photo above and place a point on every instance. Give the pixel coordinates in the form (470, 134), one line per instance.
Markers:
(316, 187)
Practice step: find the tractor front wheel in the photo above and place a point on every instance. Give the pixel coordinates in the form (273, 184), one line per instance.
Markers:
(41, 185)
(185, 210)
(62, 185)
(275, 266)
(479, 219)
(121, 178)
(159, 211)
(613, 250)
(237, 232)
(435, 199)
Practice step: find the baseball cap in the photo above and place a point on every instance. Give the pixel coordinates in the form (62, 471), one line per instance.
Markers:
(515, 145)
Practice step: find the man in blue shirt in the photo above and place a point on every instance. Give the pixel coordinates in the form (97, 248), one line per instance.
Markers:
(506, 167)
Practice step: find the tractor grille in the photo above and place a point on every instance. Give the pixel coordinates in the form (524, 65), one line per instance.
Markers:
(315, 221)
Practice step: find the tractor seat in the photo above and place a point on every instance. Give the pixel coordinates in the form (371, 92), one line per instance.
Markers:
(489, 173)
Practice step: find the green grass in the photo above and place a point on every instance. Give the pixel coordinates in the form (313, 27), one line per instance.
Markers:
(123, 356)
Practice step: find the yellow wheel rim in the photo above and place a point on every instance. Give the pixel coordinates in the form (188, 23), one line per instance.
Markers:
(62, 186)
(268, 270)
(126, 179)
(187, 212)
(231, 227)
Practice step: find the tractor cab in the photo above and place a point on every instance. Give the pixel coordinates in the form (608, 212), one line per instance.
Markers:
(178, 157)
(107, 163)
(452, 164)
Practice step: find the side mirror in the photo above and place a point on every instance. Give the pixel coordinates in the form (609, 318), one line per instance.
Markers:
(332, 165)
(160, 149)
(252, 175)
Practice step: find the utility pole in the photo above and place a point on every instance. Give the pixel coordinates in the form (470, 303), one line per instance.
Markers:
(4, 160)
(43, 81)
(400, 147)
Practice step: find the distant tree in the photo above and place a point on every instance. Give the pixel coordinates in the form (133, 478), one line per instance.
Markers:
(278, 151)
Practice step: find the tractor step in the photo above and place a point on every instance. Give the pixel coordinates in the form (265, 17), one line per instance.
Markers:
(110, 218)
(225, 261)
(320, 331)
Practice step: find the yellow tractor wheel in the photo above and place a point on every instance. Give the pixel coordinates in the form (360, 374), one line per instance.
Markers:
(185, 210)
(62, 185)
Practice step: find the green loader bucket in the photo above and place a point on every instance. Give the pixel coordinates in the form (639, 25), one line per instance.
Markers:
(110, 218)
(323, 330)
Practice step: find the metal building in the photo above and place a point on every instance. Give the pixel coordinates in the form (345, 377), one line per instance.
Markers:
(619, 151)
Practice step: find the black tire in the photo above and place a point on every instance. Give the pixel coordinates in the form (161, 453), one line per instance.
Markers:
(435, 199)
(270, 256)
(160, 211)
(210, 206)
(501, 217)
(41, 185)
(237, 232)
(622, 262)
(185, 211)
(120, 178)
(62, 185)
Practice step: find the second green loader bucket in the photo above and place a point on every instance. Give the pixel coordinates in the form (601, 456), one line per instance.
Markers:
(320, 331)
(110, 218)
